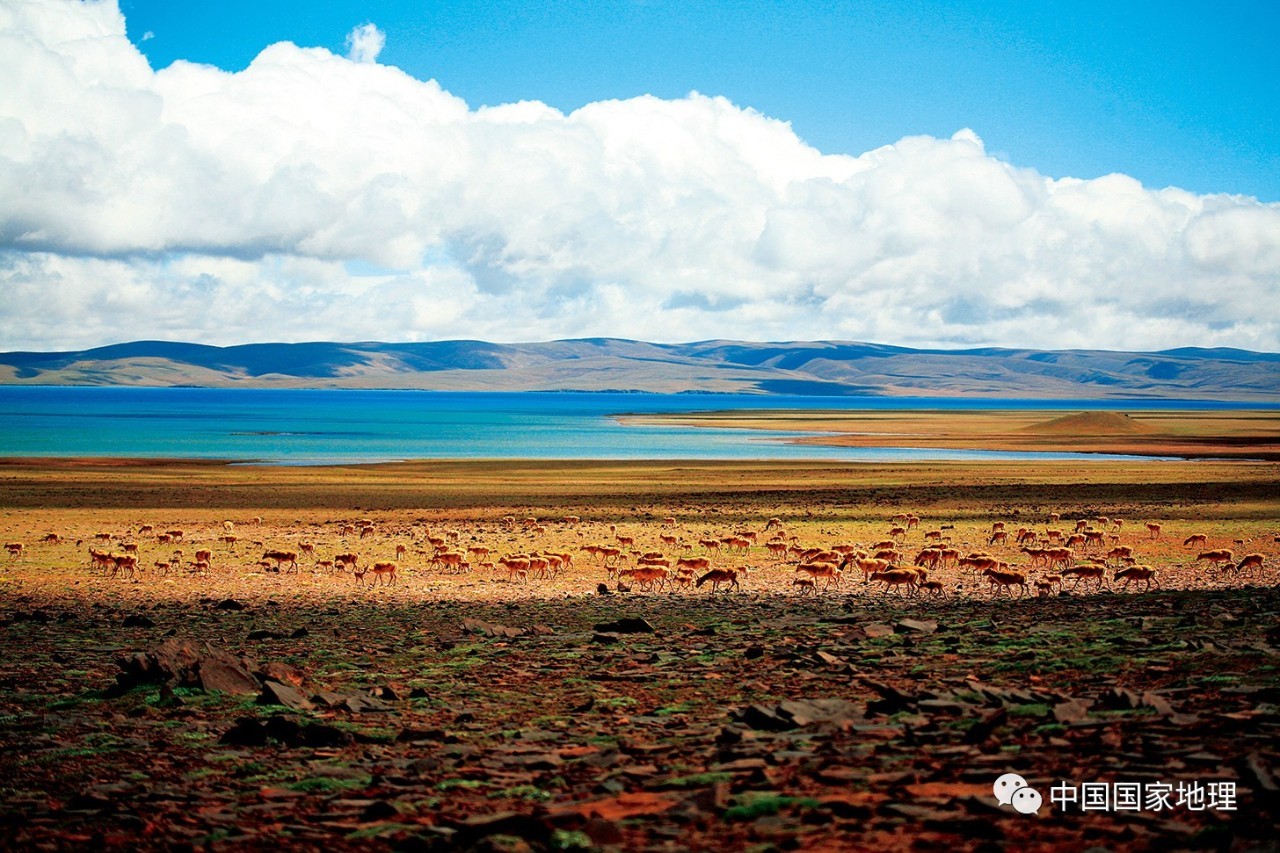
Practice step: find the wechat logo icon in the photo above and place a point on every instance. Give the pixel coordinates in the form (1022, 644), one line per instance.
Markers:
(1012, 790)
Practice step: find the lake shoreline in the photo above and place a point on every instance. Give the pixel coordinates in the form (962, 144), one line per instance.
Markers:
(1243, 434)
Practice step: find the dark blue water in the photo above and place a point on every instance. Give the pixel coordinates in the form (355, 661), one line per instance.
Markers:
(317, 427)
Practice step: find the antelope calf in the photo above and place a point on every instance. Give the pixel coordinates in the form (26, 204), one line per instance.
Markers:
(808, 586)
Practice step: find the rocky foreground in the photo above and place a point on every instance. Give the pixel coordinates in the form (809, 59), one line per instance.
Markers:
(625, 722)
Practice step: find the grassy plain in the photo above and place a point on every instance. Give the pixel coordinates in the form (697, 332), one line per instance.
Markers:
(473, 711)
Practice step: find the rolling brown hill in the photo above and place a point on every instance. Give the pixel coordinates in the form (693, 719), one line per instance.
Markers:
(834, 368)
(1092, 423)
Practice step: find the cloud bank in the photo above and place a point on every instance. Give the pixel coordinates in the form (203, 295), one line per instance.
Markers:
(313, 196)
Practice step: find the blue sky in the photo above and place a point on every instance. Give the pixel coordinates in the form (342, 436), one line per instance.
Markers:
(1050, 175)
(1172, 93)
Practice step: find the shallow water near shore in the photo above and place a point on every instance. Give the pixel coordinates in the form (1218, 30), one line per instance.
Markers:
(314, 427)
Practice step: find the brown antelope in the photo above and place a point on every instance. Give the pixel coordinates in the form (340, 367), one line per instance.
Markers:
(566, 559)
(729, 577)
(870, 567)
(829, 571)
(646, 577)
(897, 577)
(1249, 562)
(929, 557)
(933, 535)
(1195, 540)
(1154, 529)
(808, 586)
(710, 544)
(516, 567)
(100, 559)
(999, 536)
(1005, 581)
(979, 563)
(1059, 557)
(1136, 573)
(385, 571)
(1220, 555)
(448, 559)
(344, 561)
(1119, 552)
(282, 557)
(693, 564)
(124, 564)
(933, 587)
(14, 549)
(540, 567)
(1085, 573)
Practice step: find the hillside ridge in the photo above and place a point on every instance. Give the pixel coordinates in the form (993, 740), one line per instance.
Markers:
(835, 368)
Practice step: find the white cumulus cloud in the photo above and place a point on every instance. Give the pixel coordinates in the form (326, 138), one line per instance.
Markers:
(313, 196)
(365, 42)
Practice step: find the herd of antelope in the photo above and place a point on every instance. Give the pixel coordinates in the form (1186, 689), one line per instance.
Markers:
(909, 559)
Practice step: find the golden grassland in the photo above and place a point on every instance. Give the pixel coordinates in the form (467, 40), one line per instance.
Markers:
(1235, 503)
(1253, 434)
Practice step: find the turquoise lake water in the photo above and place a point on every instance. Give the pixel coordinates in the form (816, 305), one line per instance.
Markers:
(304, 427)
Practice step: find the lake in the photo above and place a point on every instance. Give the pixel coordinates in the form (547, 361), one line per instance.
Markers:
(306, 427)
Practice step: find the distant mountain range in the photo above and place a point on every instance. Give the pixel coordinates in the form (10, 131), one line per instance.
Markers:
(599, 364)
